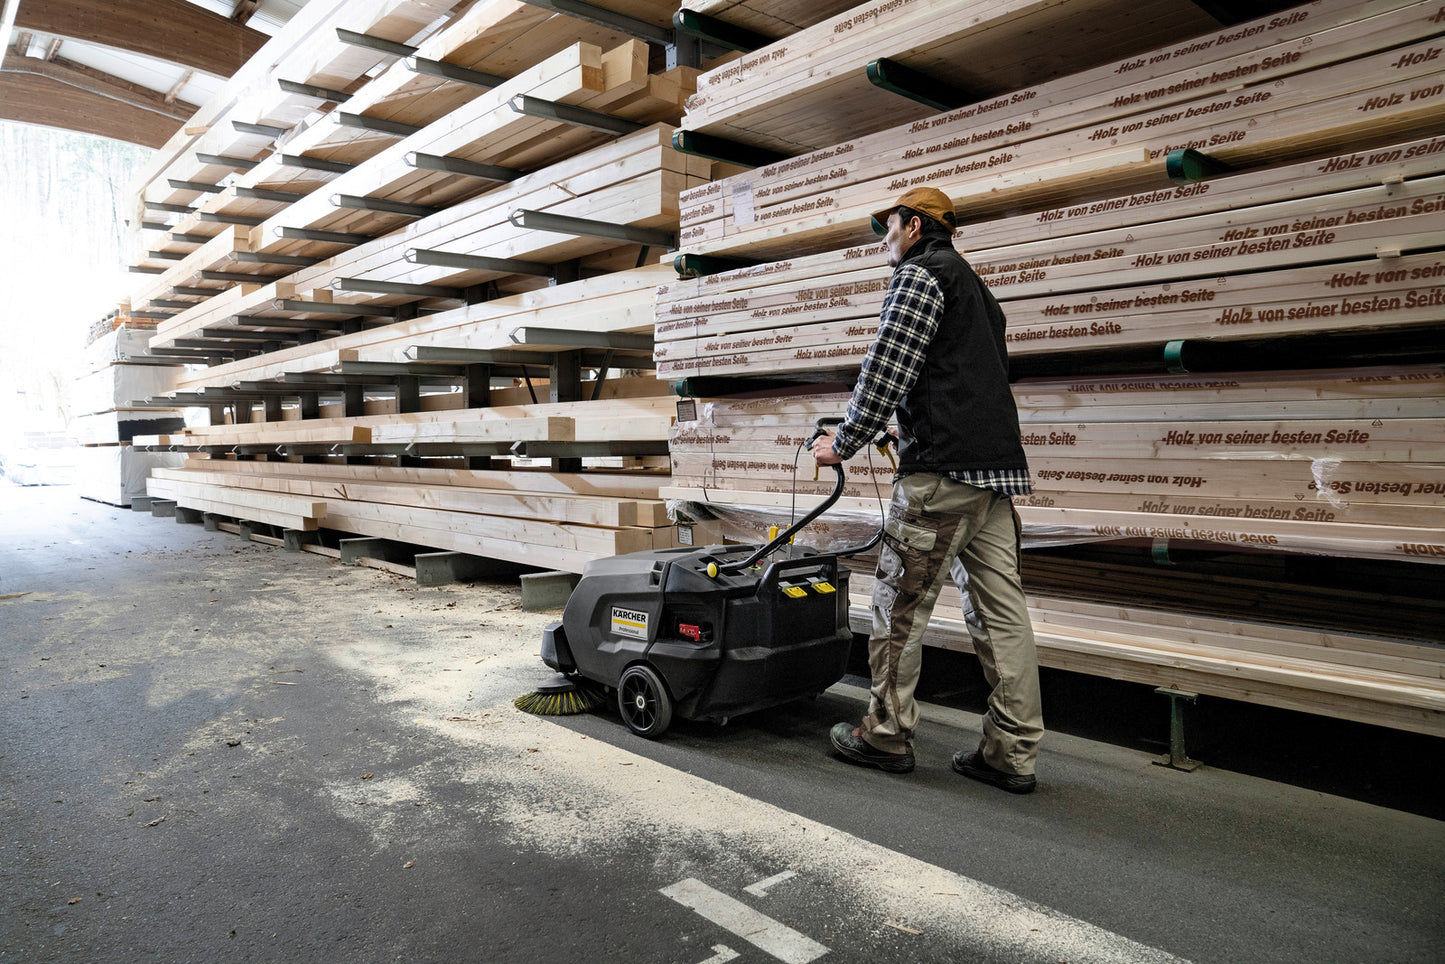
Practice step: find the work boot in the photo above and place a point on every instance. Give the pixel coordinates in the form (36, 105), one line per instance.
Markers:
(972, 764)
(851, 746)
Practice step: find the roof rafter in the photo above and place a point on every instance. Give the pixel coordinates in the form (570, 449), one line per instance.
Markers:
(169, 30)
(33, 98)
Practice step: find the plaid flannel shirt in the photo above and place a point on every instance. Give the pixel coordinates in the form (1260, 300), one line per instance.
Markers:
(912, 309)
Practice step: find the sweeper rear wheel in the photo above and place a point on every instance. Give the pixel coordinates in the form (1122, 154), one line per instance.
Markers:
(643, 700)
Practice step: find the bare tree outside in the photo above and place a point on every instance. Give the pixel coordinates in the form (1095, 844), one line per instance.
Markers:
(62, 264)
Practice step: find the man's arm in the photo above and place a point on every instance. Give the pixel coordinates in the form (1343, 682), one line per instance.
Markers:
(912, 308)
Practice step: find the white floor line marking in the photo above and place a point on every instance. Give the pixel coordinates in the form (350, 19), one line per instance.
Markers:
(761, 888)
(723, 955)
(758, 929)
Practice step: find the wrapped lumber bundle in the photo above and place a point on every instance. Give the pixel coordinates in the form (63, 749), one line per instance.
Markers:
(1252, 256)
(785, 96)
(1356, 85)
(1342, 463)
(771, 18)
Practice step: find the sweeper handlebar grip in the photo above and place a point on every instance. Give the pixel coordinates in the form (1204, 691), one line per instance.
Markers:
(783, 537)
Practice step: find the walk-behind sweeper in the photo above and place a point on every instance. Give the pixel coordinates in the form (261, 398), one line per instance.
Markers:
(702, 633)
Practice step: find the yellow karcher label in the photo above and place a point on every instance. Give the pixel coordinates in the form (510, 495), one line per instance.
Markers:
(797, 592)
(823, 587)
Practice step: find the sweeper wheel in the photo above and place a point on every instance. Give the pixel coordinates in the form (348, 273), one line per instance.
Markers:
(644, 702)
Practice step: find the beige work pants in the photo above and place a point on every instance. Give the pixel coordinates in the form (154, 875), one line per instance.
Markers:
(936, 528)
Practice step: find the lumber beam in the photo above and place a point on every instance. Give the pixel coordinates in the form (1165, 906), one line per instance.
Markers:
(170, 30)
(32, 98)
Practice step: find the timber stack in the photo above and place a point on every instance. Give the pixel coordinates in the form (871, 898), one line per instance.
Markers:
(1220, 250)
(410, 256)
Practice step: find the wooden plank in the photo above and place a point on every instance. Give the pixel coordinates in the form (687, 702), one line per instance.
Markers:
(1272, 125)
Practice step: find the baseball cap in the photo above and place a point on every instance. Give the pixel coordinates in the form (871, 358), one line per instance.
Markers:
(929, 201)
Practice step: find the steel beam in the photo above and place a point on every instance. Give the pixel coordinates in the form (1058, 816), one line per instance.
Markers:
(357, 39)
(215, 217)
(333, 308)
(199, 186)
(718, 31)
(234, 276)
(376, 125)
(311, 90)
(357, 202)
(721, 149)
(457, 165)
(265, 257)
(328, 237)
(561, 224)
(302, 162)
(575, 116)
(264, 130)
(446, 71)
(397, 288)
(476, 262)
(265, 194)
(221, 160)
(613, 340)
(917, 86)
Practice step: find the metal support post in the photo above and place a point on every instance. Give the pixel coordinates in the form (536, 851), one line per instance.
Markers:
(1177, 758)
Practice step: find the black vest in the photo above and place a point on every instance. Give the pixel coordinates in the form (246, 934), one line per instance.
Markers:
(960, 415)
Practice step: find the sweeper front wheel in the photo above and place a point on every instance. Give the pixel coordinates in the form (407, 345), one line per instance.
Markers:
(644, 702)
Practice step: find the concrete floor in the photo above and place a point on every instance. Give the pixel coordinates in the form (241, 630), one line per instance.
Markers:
(214, 750)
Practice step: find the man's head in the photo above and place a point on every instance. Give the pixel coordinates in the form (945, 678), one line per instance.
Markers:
(921, 212)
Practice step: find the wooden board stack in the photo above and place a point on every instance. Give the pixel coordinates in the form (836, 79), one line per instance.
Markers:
(1316, 216)
(306, 282)
(1291, 93)
(108, 467)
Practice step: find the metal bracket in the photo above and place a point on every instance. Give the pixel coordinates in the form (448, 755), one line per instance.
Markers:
(245, 221)
(302, 162)
(698, 265)
(332, 308)
(311, 90)
(264, 257)
(328, 237)
(197, 186)
(235, 277)
(266, 194)
(360, 203)
(475, 262)
(718, 31)
(613, 340)
(222, 160)
(1177, 758)
(904, 81)
(562, 224)
(264, 130)
(375, 125)
(356, 39)
(1186, 165)
(721, 149)
(458, 165)
(576, 116)
(446, 71)
(397, 288)
(168, 208)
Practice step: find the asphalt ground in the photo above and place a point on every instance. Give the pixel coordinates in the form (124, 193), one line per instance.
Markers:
(215, 750)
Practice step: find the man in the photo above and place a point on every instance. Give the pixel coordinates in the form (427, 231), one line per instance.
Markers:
(940, 362)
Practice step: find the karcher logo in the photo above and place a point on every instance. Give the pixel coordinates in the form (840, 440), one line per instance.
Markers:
(629, 622)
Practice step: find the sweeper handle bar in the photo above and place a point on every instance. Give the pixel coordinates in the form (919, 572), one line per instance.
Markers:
(783, 537)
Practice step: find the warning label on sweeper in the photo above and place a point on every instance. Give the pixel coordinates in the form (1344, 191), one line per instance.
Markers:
(629, 622)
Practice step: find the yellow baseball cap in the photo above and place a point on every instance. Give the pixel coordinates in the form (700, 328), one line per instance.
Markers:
(929, 201)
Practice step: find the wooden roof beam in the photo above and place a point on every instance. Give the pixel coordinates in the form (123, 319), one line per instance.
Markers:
(169, 30)
(31, 98)
(102, 84)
